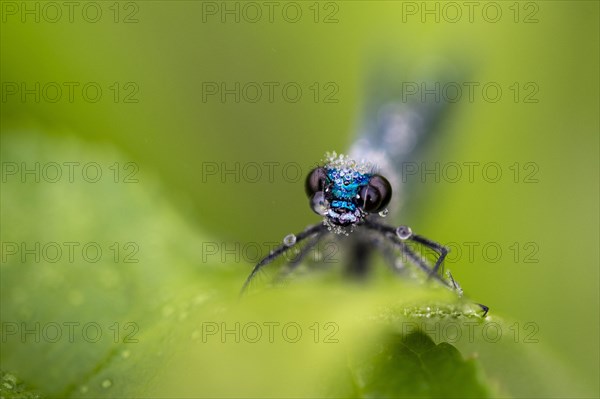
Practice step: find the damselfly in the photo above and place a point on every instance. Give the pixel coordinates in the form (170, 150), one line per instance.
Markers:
(352, 193)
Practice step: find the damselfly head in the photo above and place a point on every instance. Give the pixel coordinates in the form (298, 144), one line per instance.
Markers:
(345, 191)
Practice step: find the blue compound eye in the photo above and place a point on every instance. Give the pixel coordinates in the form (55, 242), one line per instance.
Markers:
(315, 181)
(376, 195)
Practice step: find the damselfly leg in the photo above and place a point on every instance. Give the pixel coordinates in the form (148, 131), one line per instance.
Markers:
(287, 244)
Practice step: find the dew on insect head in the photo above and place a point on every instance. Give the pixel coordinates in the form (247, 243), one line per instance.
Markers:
(384, 213)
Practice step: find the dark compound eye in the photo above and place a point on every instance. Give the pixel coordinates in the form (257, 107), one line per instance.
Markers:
(375, 196)
(315, 181)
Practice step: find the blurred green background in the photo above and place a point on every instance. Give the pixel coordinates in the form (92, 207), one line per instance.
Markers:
(152, 61)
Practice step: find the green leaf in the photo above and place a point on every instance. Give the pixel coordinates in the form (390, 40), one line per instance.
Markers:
(414, 366)
(74, 319)
(171, 323)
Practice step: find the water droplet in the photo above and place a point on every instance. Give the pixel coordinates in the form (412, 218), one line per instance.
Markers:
(106, 383)
(399, 265)
(384, 213)
(317, 204)
(76, 297)
(199, 299)
(167, 311)
(289, 240)
(404, 232)
(9, 381)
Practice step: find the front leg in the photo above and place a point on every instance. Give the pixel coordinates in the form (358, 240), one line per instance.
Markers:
(406, 232)
(399, 235)
(308, 232)
(295, 262)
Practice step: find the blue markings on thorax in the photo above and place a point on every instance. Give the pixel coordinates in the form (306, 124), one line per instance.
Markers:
(343, 204)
